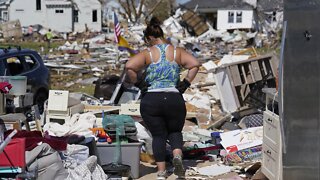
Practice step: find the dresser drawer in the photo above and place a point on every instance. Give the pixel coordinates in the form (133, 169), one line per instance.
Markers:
(271, 130)
(271, 118)
(270, 162)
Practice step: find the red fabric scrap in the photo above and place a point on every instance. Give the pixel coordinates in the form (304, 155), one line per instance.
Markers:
(5, 87)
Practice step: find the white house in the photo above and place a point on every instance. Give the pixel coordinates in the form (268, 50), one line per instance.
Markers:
(240, 14)
(224, 14)
(234, 19)
(59, 15)
(87, 13)
(4, 14)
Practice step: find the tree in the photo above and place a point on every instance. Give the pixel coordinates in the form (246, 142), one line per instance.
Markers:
(133, 11)
(164, 10)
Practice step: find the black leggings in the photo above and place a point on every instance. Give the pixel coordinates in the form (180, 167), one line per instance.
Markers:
(164, 114)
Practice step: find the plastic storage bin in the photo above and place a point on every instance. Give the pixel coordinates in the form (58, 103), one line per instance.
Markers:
(130, 153)
(19, 84)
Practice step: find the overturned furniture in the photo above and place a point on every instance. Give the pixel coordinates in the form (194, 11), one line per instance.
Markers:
(194, 23)
(240, 83)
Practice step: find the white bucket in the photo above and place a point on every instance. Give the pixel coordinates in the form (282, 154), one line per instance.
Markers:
(19, 84)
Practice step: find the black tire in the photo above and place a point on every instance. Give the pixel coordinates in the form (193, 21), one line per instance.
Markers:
(39, 100)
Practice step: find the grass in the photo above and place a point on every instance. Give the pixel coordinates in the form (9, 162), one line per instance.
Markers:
(88, 89)
(72, 77)
(32, 45)
(266, 50)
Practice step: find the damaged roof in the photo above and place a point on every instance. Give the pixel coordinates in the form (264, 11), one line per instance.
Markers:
(270, 5)
(4, 1)
(209, 6)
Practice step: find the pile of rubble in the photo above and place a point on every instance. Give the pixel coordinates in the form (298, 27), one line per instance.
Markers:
(224, 103)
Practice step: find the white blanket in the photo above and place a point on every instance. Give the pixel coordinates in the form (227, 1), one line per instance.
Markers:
(79, 124)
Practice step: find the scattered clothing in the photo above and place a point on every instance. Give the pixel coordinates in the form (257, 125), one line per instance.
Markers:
(79, 124)
(253, 120)
(88, 170)
(74, 155)
(70, 139)
(5, 87)
(33, 138)
(47, 161)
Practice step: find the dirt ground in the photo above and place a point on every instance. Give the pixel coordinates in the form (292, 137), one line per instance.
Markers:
(149, 172)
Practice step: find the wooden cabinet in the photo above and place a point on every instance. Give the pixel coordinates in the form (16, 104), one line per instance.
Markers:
(239, 83)
(271, 147)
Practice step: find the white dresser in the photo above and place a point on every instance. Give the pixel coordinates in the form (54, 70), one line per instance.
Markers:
(271, 147)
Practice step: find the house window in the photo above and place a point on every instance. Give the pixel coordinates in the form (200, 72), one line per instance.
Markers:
(76, 16)
(230, 17)
(59, 11)
(5, 16)
(38, 5)
(274, 16)
(239, 17)
(94, 16)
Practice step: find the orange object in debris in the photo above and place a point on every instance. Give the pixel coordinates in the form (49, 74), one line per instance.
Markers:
(100, 133)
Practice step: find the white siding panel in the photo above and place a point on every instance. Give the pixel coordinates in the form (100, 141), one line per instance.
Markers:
(61, 22)
(25, 11)
(85, 15)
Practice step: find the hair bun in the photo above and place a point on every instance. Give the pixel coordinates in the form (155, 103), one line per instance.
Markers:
(154, 22)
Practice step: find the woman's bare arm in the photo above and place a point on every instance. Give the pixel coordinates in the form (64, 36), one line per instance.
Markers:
(134, 65)
(189, 62)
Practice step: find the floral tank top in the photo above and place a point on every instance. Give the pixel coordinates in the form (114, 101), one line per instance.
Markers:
(164, 73)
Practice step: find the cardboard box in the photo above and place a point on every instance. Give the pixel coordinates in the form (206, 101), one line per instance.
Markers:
(130, 109)
(97, 108)
(78, 108)
(12, 125)
(58, 102)
(14, 121)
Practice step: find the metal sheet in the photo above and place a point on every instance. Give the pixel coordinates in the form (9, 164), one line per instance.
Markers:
(301, 87)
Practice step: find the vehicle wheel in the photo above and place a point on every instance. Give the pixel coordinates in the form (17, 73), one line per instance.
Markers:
(39, 99)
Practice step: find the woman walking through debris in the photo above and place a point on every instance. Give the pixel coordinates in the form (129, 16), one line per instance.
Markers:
(162, 105)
